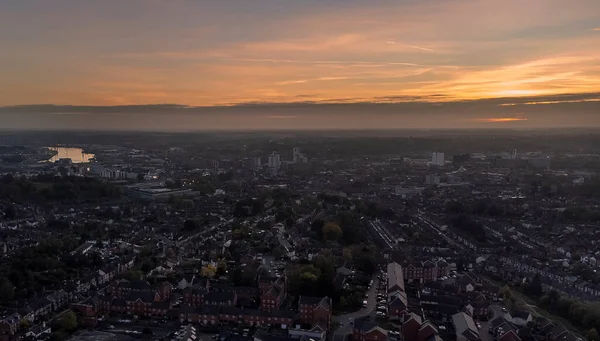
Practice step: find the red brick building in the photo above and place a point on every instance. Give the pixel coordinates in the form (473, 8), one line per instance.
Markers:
(210, 315)
(315, 310)
(366, 330)
(273, 295)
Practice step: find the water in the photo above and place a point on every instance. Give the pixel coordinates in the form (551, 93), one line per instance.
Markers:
(75, 154)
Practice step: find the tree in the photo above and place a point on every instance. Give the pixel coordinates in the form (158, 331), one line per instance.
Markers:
(222, 267)
(68, 321)
(24, 324)
(10, 212)
(534, 288)
(7, 289)
(592, 335)
(331, 231)
(208, 271)
(191, 225)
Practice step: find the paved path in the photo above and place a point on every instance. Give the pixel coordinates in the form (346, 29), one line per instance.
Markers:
(346, 328)
(484, 334)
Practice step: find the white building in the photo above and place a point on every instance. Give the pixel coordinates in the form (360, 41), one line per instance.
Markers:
(257, 163)
(274, 161)
(432, 179)
(437, 159)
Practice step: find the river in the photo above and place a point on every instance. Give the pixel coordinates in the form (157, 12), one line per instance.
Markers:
(77, 155)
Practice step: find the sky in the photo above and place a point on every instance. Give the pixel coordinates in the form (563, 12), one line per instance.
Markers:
(476, 57)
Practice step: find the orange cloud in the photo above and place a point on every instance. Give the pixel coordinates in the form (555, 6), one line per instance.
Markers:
(500, 119)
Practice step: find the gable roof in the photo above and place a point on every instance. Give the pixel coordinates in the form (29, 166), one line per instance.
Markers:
(395, 277)
(465, 327)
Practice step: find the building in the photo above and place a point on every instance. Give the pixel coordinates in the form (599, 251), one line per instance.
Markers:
(315, 310)
(186, 333)
(257, 163)
(437, 159)
(366, 330)
(414, 329)
(298, 156)
(397, 298)
(274, 161)
(272, 295)
(154, 191)
(422, 272)
(432, 179)
(465, 327)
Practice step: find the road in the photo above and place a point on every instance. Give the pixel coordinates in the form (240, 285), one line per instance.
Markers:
(484, 334)
(344, 320)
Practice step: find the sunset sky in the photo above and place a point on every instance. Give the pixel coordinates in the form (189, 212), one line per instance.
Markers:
(239, 52)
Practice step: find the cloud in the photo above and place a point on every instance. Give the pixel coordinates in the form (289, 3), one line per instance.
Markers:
(282, 117)
(500, 119)
(420, 48)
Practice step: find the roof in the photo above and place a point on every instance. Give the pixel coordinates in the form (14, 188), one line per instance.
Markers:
(219, 296)
(144, 296)
(465, 327)
(314, 301)
(522, 314)
(395, 277)
(364, 324)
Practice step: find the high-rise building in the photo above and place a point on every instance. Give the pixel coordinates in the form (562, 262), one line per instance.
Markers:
(274, 161)
(437, 159)
(257, 163)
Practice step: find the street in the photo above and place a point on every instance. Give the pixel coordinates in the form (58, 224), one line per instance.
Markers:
(484, 334)
(344, 320)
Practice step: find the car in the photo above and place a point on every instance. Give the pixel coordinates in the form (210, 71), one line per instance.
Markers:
(504, 310)
(365, 304)
(111, 327)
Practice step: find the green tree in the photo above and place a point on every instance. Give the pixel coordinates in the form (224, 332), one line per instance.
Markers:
(24, 324)
(332, 231)
(68, 321)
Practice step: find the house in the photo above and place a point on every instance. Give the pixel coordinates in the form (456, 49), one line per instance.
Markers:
(10, 324)
(317, 333)
(221, 298)
(465, 327)
(345, 269)
(38, 331)
(274, 295)
(164, 290)
(41, 307)
(397, 299)
(315, 310)
(410, 327)
(365, 330)
(414, 329)
(467, 282)
(510, 335)
(518, 317)
(186, 282)
(194, 296)
(123, 288)
(58, 299)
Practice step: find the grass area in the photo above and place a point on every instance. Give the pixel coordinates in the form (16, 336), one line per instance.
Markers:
(522, 300)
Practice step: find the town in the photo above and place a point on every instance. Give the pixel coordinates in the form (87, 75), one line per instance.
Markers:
(300, 236)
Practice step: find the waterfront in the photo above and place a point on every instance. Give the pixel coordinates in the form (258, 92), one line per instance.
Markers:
(77, 155)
